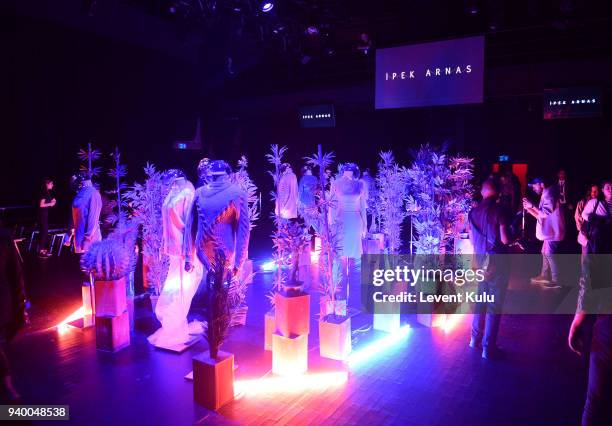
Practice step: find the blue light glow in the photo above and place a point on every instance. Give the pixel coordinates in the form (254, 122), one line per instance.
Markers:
(268, 266)
(377, 347)
(267, 6)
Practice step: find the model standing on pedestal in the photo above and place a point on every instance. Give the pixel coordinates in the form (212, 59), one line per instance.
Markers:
(349, 216)
(350, 210)
(86, 209)
(180, 286)
(287, 196)
(307, 200)
(219, 215)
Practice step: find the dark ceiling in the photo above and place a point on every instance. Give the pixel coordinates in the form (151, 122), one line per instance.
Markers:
(300, 42)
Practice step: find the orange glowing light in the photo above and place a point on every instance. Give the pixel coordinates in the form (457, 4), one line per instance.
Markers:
(314, 254)
(451, 322)
(63, 327)
(294, 384)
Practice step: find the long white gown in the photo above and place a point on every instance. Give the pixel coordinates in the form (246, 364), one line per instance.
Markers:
(287, 197)
(350, 214)
(180, 286)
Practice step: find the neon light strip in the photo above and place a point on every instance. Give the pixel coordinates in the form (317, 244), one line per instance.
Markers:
(375, 348)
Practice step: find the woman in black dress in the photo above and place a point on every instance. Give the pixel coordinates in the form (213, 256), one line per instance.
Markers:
(45, 202)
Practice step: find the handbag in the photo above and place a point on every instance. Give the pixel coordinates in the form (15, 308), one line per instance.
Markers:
(586, 230)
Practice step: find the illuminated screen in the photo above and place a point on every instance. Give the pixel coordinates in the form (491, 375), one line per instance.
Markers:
(440, 73)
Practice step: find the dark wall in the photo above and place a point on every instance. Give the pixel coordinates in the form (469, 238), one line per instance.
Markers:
(67, 88)
(508, 122)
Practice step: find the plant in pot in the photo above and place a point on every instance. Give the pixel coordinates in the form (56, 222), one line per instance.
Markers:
(109, 262)
(334, 323)
(391, 180)
(118, 172)
(213, 370)
(145, 201)
(441, 193)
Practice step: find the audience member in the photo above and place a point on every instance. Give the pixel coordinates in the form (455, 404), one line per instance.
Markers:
(550, 229)
(45, 202)
(595, 298)
(489, 234)
(592, 193)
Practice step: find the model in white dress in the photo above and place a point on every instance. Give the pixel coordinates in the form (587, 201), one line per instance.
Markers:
(350, 194)
(180, 286)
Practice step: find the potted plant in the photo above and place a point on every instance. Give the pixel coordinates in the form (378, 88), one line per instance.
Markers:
(213, 370)
(109, 262)
(441, 193)
(334, 323)
(145, 201)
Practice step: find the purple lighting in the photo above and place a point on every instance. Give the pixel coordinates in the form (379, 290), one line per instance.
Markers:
(267, 6)
(312, 30)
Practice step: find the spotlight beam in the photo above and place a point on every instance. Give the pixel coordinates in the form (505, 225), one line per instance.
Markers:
(375, 348)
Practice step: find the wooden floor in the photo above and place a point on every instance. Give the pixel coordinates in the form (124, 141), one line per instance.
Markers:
(429, 378)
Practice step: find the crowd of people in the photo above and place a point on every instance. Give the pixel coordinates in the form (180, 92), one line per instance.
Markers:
(492, 234)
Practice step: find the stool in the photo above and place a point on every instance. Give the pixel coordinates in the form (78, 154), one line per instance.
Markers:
(32, 239)
(61, 237)
(16, 241)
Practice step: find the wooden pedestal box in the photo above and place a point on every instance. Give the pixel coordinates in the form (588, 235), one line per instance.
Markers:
(112, 332)
(305, 257)
(269, 329)
(289, 354)
(86, 296)
(371, 246)
(380, 238)
(292, 313)
(387, 322)
(110, 297)
(130, 309)
(213, 379)
(431, 319)
(335, 337)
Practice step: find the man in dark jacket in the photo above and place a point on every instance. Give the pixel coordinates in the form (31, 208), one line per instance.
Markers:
(489, 234)
(12, 307)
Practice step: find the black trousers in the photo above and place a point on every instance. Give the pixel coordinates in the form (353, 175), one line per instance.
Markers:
(43, 231)
(598, 405)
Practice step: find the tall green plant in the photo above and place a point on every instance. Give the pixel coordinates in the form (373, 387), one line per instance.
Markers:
(280, 255)
(243, 180)
(88, 156)
(146, 200)
(118, 172)
(327, 233)
(441, 192)
(391, 180)
(225, 296)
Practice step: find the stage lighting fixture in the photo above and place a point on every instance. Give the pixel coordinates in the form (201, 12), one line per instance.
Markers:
(267, 6)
